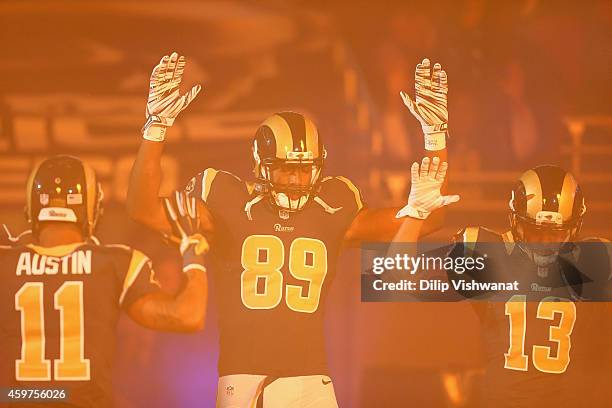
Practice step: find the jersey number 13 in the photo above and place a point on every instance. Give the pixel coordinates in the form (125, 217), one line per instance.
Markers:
(543, 360)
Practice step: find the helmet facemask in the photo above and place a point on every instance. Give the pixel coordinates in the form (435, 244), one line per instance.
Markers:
(291, 183)
(542, 241)
(546, 212)
(289, 157)
(544, 237)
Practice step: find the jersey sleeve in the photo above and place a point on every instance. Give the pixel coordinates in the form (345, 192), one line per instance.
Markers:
(480, 248)
(215, 188)
(594, 261)
(338, 195)
(136, 277)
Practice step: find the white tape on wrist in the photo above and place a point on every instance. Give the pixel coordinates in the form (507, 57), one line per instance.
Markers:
(410, 211)
(435, 141)
(155, 133)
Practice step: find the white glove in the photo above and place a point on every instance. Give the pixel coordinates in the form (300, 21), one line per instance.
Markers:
(430, 105)
(182, 213)
(165, 102)
(425, 195)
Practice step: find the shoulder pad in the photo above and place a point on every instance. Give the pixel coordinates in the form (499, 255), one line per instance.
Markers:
(124, 251)
(206, 180)
(595, 239)
(139, 254)
(250, 186)
(123, 247)
(475, 238)
(137, 262)
(338, 189)
(203, 182)
(593, 256)
(477, 234)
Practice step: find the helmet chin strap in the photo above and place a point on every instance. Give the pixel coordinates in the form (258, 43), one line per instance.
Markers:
(283, 201)
(280, 198)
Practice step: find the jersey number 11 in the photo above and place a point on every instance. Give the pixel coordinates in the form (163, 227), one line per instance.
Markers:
(33, 366)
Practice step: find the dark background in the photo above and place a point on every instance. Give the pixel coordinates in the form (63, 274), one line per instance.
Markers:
(529, 84)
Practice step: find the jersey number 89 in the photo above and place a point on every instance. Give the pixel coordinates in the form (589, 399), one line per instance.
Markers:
(263, 256)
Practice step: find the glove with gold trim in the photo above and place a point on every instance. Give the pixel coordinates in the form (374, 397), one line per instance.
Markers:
(165, 102)
(430, 106)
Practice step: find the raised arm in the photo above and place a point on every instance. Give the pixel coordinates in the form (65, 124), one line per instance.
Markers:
(163, 106)
(186, 311)
(183, 313)
(143, 202)
(381, 225)
(430, 108)
(424, 200)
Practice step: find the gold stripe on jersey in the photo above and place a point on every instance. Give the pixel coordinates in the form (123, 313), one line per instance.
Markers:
(470, 237)
(207, 178)
(606, 245)
(508, 241)
(282, 133)
(566, 197)
(354, 189)
(137, 262)
(29, 188)
(471, 234)
(596, 239)
(250, 187)
(90, 181)
(533, 191)
(59, 250)
(507, 236)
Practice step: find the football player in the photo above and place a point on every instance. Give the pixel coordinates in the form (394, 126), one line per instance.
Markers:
(60, 297)
(276, 239)
(545, 345)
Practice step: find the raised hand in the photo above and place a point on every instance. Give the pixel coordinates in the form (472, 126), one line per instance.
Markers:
(425, 195)
(182, 213)
(165, 102)
(430, 106)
